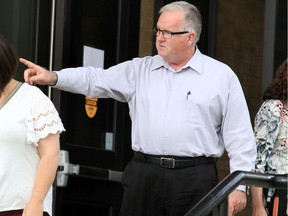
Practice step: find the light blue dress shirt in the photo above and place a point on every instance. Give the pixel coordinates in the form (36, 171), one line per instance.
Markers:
(198, 110)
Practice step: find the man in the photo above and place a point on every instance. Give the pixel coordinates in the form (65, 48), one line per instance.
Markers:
(186, 109)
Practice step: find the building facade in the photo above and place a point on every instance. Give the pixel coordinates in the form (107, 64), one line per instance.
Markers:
(248, 35)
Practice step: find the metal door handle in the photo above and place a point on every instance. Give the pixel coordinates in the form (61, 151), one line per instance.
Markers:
(65, 169)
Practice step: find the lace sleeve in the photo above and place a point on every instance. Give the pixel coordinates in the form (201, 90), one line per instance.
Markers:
(44, 120)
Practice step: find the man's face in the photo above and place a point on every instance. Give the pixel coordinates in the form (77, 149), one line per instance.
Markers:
(173, 49)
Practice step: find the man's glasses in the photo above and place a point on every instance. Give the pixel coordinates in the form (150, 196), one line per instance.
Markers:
(165, 33)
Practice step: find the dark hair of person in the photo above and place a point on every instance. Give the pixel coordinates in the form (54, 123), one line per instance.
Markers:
(278, 88)
(8, 62)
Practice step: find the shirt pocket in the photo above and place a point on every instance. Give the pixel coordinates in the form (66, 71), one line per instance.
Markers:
(196, 111)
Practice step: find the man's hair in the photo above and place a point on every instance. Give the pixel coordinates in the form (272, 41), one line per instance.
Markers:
(193, 21)
(8, 62)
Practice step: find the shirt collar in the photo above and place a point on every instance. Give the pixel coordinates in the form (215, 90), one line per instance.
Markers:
(158, 63)
(195, 62)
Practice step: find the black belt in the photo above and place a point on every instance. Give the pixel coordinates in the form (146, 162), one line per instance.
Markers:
(174, 161)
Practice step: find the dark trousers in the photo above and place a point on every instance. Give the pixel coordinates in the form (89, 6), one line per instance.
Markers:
(151, 190)
(282, 194)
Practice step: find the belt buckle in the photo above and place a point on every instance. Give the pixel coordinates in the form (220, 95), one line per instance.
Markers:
(170, 164)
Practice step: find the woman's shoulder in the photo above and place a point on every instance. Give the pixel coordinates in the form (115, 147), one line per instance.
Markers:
(273, 103)
(271, 107)
(33, 91)
(32, 95)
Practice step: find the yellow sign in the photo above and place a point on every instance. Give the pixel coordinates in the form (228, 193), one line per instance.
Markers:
(91, 106)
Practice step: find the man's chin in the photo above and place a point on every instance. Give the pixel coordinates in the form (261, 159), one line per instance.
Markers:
(162, 53)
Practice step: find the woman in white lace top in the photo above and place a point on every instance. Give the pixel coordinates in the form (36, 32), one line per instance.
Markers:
(271, 133)
(29, 142)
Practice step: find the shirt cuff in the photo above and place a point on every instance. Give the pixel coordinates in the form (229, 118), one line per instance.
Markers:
(242, 188)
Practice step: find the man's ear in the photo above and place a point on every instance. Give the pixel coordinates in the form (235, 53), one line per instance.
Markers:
(191, 38)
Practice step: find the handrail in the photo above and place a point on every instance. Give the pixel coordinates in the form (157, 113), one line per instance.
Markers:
(220, 193)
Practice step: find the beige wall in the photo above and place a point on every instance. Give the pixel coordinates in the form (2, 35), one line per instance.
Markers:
(239, 43)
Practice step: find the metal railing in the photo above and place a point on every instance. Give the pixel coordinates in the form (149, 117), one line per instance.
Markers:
(216, 200)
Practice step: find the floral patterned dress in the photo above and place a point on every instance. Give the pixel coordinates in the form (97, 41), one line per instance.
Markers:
(271, 133)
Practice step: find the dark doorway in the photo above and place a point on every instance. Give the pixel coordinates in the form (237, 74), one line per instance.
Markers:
(100, 144)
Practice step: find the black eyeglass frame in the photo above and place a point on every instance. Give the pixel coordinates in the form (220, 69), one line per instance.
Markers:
(165, 32)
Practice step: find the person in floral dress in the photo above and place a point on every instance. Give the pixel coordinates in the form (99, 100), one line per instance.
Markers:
(271, 134)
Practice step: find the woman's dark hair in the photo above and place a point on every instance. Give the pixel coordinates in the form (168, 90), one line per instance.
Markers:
(278, 87)
(8, 62)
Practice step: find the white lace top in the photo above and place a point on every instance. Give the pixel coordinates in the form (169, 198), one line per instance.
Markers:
(27, 117)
